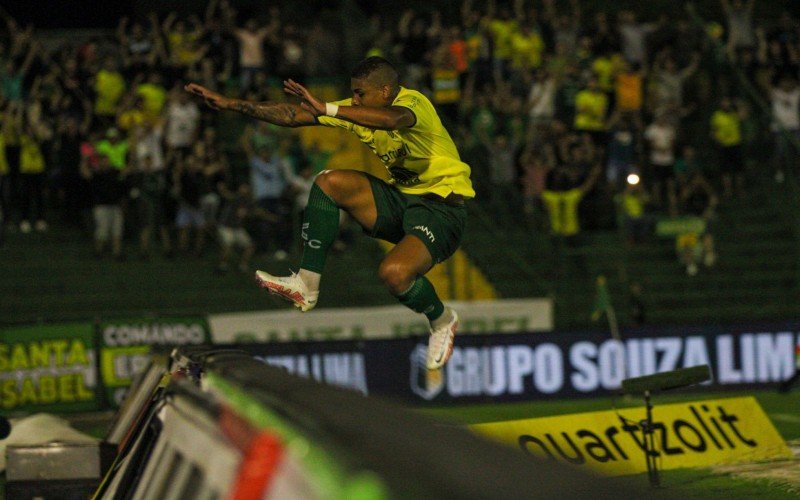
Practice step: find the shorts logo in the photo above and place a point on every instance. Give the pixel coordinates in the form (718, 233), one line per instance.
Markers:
(427, 232)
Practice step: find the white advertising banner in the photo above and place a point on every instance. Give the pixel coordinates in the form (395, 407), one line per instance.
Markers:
(492, 316)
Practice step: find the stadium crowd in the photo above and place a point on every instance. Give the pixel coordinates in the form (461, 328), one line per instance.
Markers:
(570, 119)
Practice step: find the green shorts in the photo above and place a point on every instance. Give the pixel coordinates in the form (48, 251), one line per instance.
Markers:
(439, 225)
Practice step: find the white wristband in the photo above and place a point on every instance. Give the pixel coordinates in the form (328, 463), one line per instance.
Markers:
(331, 109)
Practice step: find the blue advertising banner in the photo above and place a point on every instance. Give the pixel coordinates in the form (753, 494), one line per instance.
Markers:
(543, 365)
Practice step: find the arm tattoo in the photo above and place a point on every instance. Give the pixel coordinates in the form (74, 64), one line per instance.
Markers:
(272, 112)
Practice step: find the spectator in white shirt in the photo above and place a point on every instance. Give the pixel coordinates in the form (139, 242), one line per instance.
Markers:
(785, 100)
(660, 136)
(182, 122)
(541, 103)
(251, 52)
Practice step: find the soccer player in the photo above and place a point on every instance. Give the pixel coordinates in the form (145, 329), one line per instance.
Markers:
(421, 208)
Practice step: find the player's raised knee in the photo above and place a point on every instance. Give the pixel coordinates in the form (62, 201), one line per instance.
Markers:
(396, 275)
(333, 182)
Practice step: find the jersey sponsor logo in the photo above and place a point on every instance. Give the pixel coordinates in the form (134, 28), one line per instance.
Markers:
(427, 232)
(412, 102)
(404, 176)
(393, 155)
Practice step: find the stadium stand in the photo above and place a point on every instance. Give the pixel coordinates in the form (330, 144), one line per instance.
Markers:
(755, 274)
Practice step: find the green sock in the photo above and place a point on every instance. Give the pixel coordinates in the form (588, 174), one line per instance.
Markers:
(422, 298)
(320, 227)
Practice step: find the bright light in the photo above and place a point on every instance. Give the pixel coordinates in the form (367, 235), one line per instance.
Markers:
(633, 179)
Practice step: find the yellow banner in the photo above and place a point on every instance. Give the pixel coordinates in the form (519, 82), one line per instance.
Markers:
(693, 434)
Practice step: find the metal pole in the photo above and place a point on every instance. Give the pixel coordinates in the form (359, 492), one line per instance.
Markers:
(650, 445)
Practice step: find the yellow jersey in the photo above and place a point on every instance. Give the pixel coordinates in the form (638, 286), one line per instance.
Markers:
(31, 159)
(726, 127)
(633, 204)
(109, 86)
(629, 91)
(420, 159)
(591, 110)
(502, 30)
(129, 120)
(154, 97)
(526, 50)
(562, 206)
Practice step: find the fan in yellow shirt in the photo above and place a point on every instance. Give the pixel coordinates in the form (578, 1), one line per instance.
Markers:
(421, 209)
(109, 87)
(562, 203)
(154, 96)
(726, 130)
(527, 47)
(591, 106)
(32, 181)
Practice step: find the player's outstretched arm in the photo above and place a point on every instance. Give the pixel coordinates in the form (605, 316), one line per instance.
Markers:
(382, 118)
(284, 114)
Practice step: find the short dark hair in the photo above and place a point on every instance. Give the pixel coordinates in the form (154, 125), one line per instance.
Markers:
(381, 71)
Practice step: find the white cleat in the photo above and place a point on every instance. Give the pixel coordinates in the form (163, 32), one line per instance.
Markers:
(290, 288)
(440, 344)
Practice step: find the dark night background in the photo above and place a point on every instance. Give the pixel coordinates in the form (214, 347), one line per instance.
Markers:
(106, 14)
